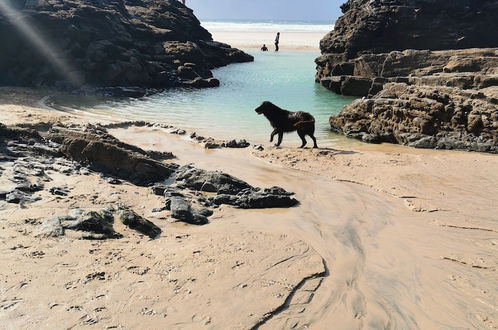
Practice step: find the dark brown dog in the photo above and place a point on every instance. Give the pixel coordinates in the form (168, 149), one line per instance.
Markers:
(284, 121)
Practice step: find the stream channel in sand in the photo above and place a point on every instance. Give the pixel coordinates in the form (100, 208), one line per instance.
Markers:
(383, 261)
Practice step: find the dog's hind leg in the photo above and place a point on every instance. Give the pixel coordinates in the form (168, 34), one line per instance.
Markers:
(275, 131)
(314, 140)
(280, 137)
(302, 135)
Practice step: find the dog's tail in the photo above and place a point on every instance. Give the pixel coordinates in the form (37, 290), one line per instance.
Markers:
(303, 122)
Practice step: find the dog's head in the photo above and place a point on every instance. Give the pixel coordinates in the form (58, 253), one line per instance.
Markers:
(264, 107)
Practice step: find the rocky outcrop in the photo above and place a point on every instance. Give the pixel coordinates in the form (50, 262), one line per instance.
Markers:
(381, 26)
(190, 194)
(75, 43)
(428, 68)
(367, 74)
(232, 191)
(106, 154)
(425, 117)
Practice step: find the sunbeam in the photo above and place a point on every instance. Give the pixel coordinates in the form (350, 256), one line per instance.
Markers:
(48, 51)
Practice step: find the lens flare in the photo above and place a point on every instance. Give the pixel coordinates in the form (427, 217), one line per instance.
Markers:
(36, 39)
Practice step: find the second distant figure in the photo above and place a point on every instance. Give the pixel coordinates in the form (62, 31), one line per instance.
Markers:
(277, 41)
(264, 48)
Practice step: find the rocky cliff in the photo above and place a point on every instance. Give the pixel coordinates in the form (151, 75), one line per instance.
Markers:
(428, 68)
(146, 43)
(380, 26)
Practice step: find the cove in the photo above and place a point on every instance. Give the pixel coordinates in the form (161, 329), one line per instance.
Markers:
(285, 78)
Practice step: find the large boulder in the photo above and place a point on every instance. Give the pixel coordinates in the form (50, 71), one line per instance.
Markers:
(75, 43)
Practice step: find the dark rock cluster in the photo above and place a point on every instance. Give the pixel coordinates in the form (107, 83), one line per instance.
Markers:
(427, 69)
(88, 43)
(232, 191)
(190, 194)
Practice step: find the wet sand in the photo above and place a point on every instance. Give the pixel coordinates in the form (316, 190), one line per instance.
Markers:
(385, 237)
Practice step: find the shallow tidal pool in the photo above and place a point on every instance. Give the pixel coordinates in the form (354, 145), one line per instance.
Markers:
(285, 78)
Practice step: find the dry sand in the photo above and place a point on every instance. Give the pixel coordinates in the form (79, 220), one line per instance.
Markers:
(288, 40)
(385, 237)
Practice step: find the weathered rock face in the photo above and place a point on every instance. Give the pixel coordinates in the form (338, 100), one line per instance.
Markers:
(427, 66)
(366, 74)
(146, 43)
(380, 26)
(425, 117)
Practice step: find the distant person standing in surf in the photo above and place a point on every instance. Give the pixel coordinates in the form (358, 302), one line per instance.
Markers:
(277, 41)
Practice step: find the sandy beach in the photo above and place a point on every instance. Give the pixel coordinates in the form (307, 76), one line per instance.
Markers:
(384, 237)
(307, 41)
(141, 186)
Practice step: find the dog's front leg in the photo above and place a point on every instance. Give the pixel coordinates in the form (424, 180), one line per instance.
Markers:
(273, 134)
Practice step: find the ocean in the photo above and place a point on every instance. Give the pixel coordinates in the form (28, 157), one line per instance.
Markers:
(267, 26)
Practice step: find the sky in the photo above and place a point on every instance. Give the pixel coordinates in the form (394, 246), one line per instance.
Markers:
(317, 10)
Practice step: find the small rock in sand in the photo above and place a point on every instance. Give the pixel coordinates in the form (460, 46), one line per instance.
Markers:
(138, 223)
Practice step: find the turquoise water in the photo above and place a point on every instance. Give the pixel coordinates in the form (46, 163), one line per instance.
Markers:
(286, 79)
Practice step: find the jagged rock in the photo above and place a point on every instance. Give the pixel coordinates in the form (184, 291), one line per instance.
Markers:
(182, 210)
(126, 43)
(52, 227)
(93, 222)
(423, 117)
(59, 191)
(236, 144)
(179, 132)
(205, 212)
(209, 181)
(138, 223)
(110, 156)
(212, 145)
(29, 187)
(95, 225)
(232, 191)
(255, 198)
(18, 197)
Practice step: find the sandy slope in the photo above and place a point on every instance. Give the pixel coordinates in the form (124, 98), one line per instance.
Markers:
(385, 237)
